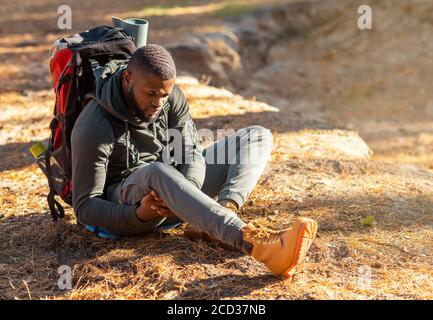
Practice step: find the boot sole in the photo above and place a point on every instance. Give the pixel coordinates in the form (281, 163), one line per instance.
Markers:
(306, 235)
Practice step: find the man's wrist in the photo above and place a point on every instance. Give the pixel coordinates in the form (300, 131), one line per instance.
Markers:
(136, 212)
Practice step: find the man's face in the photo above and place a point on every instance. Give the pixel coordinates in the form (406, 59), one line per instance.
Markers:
(145, 93)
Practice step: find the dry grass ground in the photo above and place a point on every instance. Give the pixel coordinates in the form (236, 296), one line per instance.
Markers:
(324, 174)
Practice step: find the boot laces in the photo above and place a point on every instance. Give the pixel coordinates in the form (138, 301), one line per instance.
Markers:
(262, 235)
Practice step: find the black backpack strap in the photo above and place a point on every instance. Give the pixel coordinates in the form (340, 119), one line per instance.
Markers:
(53, 203)
(58, 212)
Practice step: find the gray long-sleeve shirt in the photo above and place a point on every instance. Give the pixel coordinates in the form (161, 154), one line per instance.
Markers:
(104, 135)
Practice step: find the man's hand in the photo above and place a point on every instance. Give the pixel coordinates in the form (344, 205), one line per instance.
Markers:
(152, 206)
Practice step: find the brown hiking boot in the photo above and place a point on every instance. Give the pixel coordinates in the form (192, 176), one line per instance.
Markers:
(281, 251)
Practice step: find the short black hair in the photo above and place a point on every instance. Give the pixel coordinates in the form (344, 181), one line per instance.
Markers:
(154, 59)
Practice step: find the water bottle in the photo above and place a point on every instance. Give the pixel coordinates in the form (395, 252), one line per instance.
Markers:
(37, 149)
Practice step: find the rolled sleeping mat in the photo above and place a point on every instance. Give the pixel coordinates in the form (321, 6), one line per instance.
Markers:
(134, 27)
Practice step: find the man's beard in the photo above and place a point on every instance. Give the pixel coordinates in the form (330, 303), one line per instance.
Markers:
(132, 104)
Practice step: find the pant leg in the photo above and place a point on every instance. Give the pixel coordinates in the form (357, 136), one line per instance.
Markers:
(114, 194)
(187, 202)
(235, 164)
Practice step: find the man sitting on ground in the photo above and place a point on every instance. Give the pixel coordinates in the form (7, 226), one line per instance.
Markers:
(124, 183)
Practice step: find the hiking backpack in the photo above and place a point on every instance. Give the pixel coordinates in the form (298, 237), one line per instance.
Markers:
(75, 64)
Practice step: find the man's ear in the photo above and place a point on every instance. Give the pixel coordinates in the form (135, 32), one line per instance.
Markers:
(127, 77)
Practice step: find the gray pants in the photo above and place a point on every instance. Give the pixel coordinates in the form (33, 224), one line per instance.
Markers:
(230, 179)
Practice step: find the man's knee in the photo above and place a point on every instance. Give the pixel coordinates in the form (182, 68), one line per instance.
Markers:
(259, 141)
(261, 133)
(158, 169)
(249, 145)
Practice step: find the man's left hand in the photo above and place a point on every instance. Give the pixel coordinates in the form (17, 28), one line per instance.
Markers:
(160, 206)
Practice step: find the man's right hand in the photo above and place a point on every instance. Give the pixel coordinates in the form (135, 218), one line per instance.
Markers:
(152, 206)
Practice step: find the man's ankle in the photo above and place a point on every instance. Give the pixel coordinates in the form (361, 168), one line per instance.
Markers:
(229, 204)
